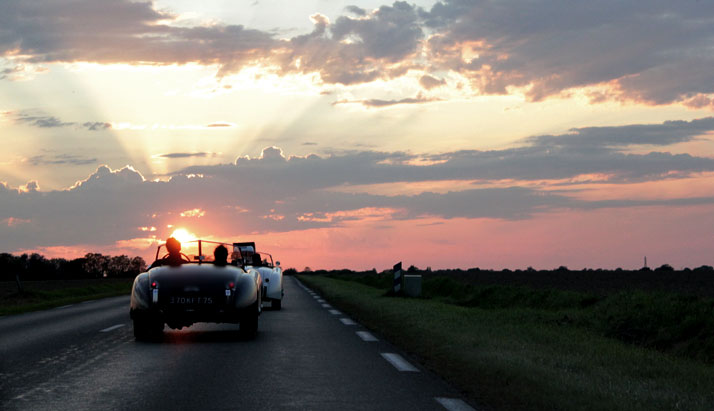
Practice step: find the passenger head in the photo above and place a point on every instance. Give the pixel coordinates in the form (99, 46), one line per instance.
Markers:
(220, 255)
(173, 246)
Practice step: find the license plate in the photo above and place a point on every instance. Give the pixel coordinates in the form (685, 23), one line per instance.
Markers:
(191, 300)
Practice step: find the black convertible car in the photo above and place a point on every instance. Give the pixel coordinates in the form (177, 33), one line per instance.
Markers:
(193, 287)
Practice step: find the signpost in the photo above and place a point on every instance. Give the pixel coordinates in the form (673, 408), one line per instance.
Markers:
(397, 277)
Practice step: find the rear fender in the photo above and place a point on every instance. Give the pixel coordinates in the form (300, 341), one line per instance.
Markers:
(141, 293)
(246, 290)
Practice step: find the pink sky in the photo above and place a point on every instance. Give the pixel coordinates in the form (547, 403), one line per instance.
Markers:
(439, 133)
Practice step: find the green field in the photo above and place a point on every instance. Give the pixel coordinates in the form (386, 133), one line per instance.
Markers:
(521, 348)
(40, 295)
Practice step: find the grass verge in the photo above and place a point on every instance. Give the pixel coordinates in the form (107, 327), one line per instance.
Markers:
(42, 295)
(526, 358)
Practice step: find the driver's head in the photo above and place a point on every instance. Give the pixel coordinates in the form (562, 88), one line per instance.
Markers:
(173, 246)
(220, 254)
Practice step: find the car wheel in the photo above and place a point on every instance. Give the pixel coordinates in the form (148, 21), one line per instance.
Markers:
(249, 322)
(147, 330)
(277, 304)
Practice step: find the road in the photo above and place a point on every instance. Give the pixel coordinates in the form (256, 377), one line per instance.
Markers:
(306, 356)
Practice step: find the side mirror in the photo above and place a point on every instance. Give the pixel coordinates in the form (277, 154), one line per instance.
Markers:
(277, 263)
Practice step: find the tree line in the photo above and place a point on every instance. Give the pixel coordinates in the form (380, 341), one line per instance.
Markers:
(93, 265)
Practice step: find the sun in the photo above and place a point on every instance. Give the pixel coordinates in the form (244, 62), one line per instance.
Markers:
(183, 235)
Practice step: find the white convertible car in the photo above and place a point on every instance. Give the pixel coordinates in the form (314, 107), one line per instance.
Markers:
(272, 274)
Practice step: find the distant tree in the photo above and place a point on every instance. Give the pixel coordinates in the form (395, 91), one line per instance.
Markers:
(530, 269)
(136, 266)
(118, 266)
(665, 267)
(290, 271)
(96, 265)
(307, 270)
(562, 268)
(704, 268)
(412, 269)
(8, 267)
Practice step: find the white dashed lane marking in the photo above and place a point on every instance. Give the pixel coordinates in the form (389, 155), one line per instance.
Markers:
(366, 336)
(326, 305)
(347, 321)
(335, 312)
(454, 404)
(112, 328)
(398, 362)
(320, 300)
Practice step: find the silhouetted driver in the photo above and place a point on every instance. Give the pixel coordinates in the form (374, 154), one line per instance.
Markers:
(174, 257)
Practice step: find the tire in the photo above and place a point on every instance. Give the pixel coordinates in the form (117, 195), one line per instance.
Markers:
(147, 330)
(249, 321)
(277, 304)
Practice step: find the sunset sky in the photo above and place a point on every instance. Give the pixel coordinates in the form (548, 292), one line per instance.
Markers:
(464, 133)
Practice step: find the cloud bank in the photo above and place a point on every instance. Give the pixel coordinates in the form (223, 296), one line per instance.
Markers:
(275, 192)
(654, 53)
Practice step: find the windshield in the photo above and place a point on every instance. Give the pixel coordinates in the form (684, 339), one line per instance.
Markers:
(203, 251)
(263, 259)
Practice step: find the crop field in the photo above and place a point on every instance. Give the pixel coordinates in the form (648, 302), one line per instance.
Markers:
(535, 341)
(39, 295)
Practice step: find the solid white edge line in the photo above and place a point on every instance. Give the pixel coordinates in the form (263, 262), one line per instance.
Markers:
(112, 328)
(398, 362)
(334, 312)
(347, 321)
(454, 404)
(63, 306)
(366, 336)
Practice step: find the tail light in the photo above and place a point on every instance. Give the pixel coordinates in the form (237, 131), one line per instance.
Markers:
(154, 292)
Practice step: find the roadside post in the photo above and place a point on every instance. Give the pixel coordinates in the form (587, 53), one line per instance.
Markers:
(397, 269)
(19, 285)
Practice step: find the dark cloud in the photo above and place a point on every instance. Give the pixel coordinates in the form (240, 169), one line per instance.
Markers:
(96, 125)
(44, 121)
(354, 50)
(429, 82)
(357, 11)
(7, 72)
(419, 99)
(669, 132)
(60, 159)
(658, 53)
(584, 151)
(278, 193)
(186, 155)
(109, 31)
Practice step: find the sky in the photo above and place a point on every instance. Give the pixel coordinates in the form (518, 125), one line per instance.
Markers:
(443, 134)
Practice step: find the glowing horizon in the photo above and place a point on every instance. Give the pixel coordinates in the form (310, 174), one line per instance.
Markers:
(337, 135)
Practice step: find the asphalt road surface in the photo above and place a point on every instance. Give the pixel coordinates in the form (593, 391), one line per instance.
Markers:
(306, 356)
